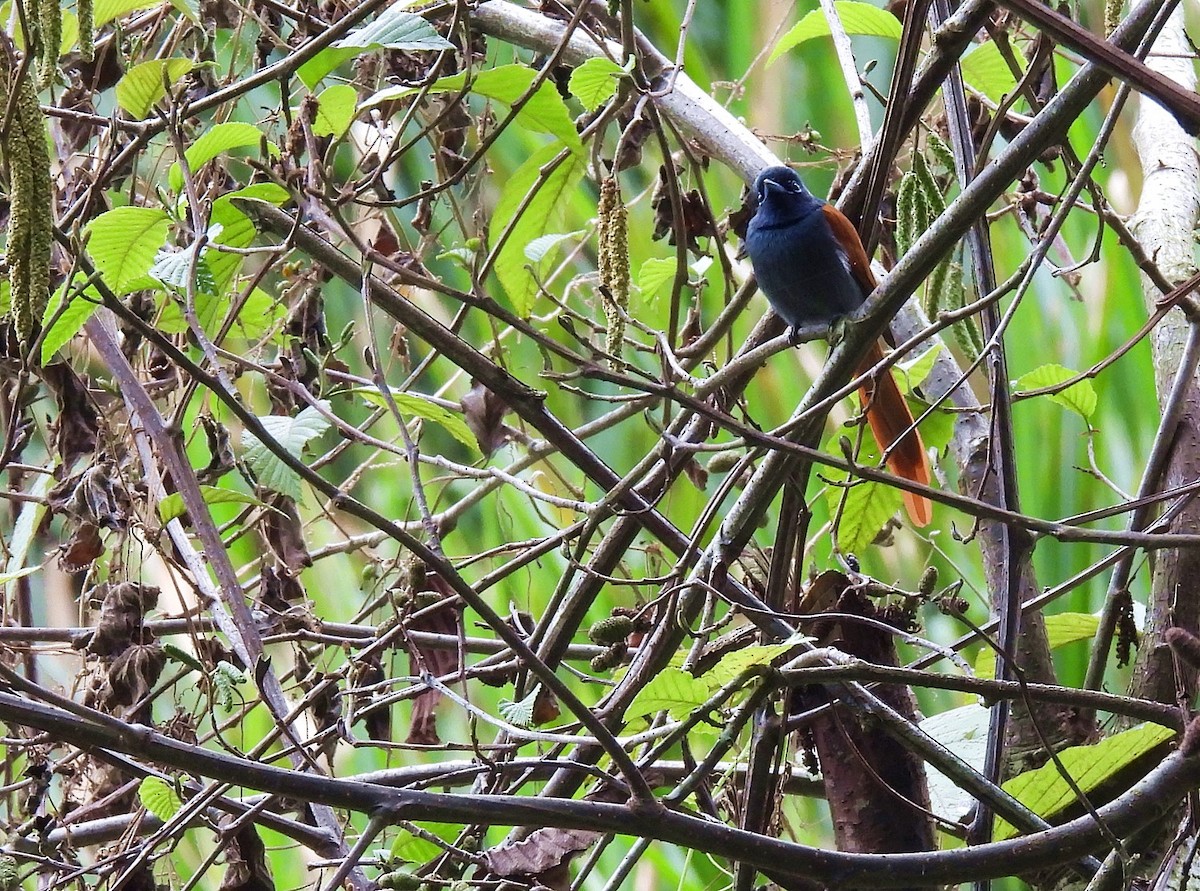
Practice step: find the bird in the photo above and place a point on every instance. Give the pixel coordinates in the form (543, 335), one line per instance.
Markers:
(813, 269)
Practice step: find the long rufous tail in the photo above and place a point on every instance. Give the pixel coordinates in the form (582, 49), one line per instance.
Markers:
(892, 424)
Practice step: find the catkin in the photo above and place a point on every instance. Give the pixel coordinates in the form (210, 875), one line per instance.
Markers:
(614, 266)
(31, 222)
(87, 26)
(50, 26)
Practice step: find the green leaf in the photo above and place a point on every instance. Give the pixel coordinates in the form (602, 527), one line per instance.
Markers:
(172, 506)
(69, 323)
(124, 243)
(543, 112)
(215, 141)
(595, 81)
(734, 664)
(538, 216)
(291, 433)
(410, 848)
(519, 713)
(868, 508)
(6, 577)
(421, 407)
(655, 273)
(1061, 629)
(1079, 397)
(672, 690)
(912, 374)
(142, 86)
(105, 11)
(538, 249)
(189, 8)
(393, 29)
(336, 107)
(159, 798)
(964, 731)
(987, 71)
(276, 194)
(174, 267)
(861, 19)
(258, 315)
(1045, 792)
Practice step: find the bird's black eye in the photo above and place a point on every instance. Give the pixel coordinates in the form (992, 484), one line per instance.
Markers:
(794, 186)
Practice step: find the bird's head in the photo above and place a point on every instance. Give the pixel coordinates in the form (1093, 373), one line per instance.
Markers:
(782, 181)
(780, 194)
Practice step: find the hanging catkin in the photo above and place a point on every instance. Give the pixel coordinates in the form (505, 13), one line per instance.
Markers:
(30, 217)
(614, 266)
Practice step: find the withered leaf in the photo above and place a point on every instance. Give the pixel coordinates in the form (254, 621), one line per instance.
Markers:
(542, 851)
(82, 549)
(123, 609)
(438, 661)
(284, 531)
(246, 867)
(484, 413)
(78, 424)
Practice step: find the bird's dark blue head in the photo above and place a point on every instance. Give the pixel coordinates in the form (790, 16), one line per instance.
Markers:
(782, 197)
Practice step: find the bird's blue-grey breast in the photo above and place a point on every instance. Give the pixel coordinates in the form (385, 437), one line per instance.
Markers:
(800, 266)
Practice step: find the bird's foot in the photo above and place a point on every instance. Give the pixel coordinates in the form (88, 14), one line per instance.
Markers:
(837, 330)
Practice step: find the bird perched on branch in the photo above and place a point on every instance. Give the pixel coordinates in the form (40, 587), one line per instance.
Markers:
(812, 266)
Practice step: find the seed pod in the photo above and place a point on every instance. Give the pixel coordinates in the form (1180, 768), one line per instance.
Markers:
(612, 630)
(614, 266)
(928, 582)
(31, 221)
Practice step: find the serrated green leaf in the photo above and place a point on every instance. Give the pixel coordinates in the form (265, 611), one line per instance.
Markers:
(419, 406)
(861, 19)
(538, 216)
(519, 713)
(124, 242)
(336, 108)
(671, 690)
(868, 507)
(1079, 397)
(142, 86)
(595, 81)
(173, 268)
(987, 71)
(655, 273)
(159, 798)
(215, 141)
(172, 506)
(543, 112)
(291, 433)
(393, 29)
(1061, 629)
(69, 323)
(1045, 792)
